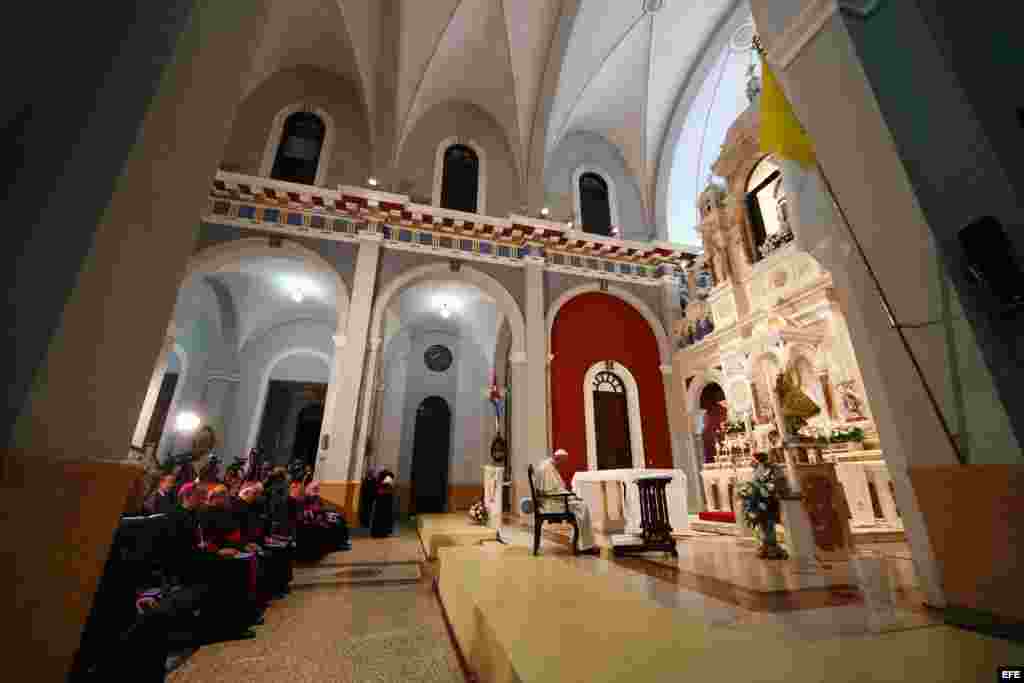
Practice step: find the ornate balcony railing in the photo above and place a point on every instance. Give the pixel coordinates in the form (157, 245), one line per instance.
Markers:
(346, 213)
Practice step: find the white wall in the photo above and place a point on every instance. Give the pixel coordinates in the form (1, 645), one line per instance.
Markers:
(407, 382)
(255, 358)
(594, 152)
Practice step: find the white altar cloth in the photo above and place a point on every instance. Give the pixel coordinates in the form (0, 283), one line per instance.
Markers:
(602, 492)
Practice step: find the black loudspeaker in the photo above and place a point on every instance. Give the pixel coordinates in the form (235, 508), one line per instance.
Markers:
(991, 261)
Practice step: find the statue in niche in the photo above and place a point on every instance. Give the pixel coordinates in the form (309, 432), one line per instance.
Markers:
(852, 403)
(797, 407)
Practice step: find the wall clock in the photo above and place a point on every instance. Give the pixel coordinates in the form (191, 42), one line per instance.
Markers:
(438, 358)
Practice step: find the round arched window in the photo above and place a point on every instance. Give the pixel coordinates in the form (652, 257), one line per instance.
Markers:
(298, 155)
(595, 205)
(461, 181)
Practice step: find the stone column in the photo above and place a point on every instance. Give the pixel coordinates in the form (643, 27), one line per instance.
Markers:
(521, 455)
(332, 393)
(853, 477)
(679, 433)
(820, 66)
(337, 462)
(118, 159)
(153, 391)
(535, 437)
(370, 383)
(219, 400)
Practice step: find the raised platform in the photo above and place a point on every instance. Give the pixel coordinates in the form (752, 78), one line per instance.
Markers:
(447, 530)
(878, 533)
(522, 618)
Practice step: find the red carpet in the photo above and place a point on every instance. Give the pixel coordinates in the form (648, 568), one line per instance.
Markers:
(727, 517)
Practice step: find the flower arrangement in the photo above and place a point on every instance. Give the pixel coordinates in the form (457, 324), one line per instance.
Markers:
(840, 435)
(760, 499)
(478, 512)
(735, 427)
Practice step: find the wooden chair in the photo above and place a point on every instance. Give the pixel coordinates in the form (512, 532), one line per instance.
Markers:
(558, 516)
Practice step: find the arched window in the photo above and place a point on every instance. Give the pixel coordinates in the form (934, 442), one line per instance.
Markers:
(766, 202)
(595, 205)
(461, 180)
(298, 155)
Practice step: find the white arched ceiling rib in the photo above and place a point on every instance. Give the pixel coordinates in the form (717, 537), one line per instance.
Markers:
(361, 21)
(622, 73)
(597, 28)
(614, 101)
(471, 65)
(531, 33)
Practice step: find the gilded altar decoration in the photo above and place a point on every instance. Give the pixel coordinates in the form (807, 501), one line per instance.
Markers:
(797, 407)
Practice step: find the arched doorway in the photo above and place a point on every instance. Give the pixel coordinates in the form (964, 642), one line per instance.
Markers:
(430, 454)
(307, 433)
(611, 422)
(711, 398)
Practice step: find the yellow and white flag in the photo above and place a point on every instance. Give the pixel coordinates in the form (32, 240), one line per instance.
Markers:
(781, 132)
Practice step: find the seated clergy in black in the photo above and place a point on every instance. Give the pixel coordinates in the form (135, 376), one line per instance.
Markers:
(164, 500)
(324, 528)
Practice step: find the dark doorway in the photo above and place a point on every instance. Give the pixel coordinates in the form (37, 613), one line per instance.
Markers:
(611, 422)
(714, 418)
(160, 410)
(461, 179)
(281, 425)
(307, 434)
(298, 155)
(431, 446)
(595, 206)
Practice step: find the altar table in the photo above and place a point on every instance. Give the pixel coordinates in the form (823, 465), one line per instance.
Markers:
(601, 490)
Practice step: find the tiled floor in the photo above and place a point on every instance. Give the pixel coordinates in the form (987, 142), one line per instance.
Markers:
(721, 579)
(381, 632)
(343, 633)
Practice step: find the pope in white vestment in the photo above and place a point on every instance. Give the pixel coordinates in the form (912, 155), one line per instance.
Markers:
(549, 481)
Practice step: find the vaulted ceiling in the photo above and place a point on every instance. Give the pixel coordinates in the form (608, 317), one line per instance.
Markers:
(543, 69)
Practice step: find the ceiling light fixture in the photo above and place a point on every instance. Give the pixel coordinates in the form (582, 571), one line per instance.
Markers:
(372, 181)
(297, 295)
(187, 422)
(445, 311)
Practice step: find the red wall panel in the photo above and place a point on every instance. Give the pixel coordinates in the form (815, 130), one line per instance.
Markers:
(596, 327)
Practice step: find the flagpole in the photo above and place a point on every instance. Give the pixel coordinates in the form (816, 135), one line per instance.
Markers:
(886, 306)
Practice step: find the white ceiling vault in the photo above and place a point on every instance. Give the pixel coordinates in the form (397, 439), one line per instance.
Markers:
(542, 69)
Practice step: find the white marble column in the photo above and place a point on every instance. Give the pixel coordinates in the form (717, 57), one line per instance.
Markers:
(156, 380)
(332, 393)
(370, 383)
(521, 454)
(885, 495)
(535, 436)
(219, 399)
(336, 461)
(680, 434)
(853, 477)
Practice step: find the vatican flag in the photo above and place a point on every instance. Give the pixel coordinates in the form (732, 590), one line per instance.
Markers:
(781, 132)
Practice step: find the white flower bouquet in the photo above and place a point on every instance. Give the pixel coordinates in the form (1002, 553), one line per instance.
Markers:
(478, 512)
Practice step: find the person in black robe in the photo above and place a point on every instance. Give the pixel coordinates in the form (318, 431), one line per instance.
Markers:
(382, 523)
(165, 499)
(366, 494)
